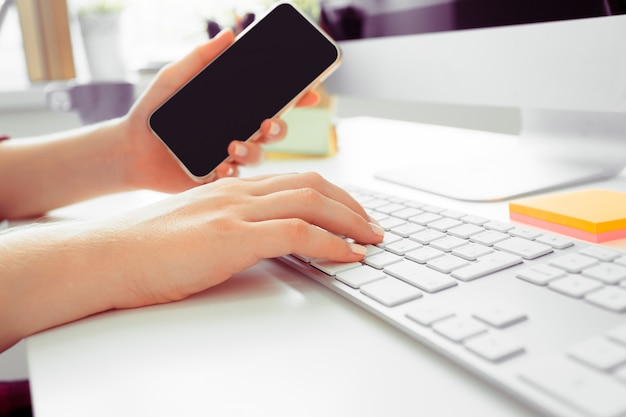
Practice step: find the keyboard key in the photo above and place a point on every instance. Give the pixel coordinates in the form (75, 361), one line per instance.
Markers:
(477, 220)
(427, 315)
(618, 334)
(447, 263)
(381, 260)
(377, 216)
(495, 347)
(372, 250)
(524, 233)
(540, 274)
(574, 285)
(390, 222)
(489, 237)
(331, 267)
(391, 292)
(395, 199)
(499, 226)
(390, 208)
(607, 272)
(620, 374)
(407, 229)
(611, 298)
(573, 262)
(621, 260)
(527, 249)
(359, 276)
(486, 265)
(599, 353)
(374, 203)
(500, 317)
(443, 225)
(403, 246)
(579, 387)
(472, 251)
(453, 214)
(459, 329)
(433, 209)
(420, 276)
(423, 254)
(600, 253)
(448, 243)
(556, 242)
(425, 218)
(465, 231)
(303, 258)
(414, 204)
(426, 236)
(387, 239)
(407, 212)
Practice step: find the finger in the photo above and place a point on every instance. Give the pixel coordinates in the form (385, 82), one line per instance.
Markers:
(315, 208)
(245, 153)
(311, 98)
(272, 130)
(285, 236)
(224, 170)
(311, 180)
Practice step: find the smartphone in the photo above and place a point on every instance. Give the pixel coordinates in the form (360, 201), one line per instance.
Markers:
(265, 71)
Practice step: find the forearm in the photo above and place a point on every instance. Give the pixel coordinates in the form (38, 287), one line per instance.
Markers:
(40, 174)
(55, 274)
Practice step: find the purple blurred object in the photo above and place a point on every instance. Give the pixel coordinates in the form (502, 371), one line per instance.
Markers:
(94, 101)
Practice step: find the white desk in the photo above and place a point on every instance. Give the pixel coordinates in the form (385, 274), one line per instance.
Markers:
(266, 342)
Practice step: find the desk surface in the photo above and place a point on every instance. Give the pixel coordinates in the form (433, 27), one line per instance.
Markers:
(268, 341)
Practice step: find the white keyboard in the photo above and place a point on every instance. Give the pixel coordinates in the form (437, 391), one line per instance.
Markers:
(541, 316)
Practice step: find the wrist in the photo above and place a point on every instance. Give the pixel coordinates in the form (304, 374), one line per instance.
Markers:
(118, 153)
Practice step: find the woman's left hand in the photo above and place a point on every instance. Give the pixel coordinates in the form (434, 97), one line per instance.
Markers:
(149, 164)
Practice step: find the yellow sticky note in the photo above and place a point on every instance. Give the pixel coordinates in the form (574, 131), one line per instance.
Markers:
(595, 215)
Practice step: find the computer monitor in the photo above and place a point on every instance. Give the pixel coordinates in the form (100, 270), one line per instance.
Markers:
(561, 62)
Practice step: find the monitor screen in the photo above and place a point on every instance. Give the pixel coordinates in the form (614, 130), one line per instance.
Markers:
(560, 62)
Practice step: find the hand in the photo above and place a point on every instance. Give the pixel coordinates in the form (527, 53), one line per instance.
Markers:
(199, 238)
(149, 163)
(167, 251)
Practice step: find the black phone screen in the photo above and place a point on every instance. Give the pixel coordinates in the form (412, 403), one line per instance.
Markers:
(253, 80)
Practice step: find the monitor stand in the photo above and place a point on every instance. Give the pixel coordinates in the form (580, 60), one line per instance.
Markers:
(555, 149)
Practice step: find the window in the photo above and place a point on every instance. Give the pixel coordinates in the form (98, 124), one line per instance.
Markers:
(152, 32)
(13, 71)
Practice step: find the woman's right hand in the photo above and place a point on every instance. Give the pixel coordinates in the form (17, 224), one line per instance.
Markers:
(199, 238)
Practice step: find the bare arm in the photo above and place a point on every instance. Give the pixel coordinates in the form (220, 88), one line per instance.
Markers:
(40, 174)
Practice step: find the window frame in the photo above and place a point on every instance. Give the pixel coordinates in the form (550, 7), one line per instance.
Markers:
(47, 39)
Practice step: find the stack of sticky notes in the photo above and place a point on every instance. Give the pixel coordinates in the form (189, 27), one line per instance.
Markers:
(592, 215)
(310, 132)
